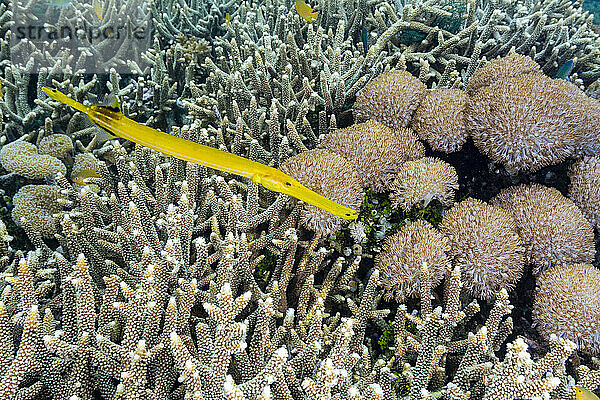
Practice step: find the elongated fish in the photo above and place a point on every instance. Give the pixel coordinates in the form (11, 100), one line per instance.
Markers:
(112, 120)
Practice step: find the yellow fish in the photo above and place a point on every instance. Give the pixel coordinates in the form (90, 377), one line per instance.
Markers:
(227, 19)
(305, 11)
(80, 177)
(98, 9)
(584, 394)
(112, 120)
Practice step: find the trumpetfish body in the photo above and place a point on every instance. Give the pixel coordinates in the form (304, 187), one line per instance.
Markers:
(113, 121)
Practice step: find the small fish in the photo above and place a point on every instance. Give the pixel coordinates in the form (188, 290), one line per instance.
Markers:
(305, 11)
(365, 40)
(98, 9)
(565, 70)
(584, 394)
(80, 177)
(112, 120)
(57, 3)
(227, 19)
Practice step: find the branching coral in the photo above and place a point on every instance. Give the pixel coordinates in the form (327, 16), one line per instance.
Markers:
(375, 150)
(552, 228)
(485, 246)
(531, 380)
(447, 39)
(419, 182)
(566, 304)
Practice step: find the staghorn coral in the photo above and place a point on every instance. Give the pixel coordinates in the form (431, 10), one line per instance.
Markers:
(566, 304)
(533, 380)
(553, 230)
(446, 41)
(419, 182)
(35, 206)
(485, 246)
(403, 255)
(391, 98)
(23, 158)
(330, 175)
(584, 188)
(375, 150)
(81, 40)
(440, 119)
(280, 75)
(532, 129)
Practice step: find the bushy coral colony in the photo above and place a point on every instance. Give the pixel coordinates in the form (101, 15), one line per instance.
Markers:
(466, 134)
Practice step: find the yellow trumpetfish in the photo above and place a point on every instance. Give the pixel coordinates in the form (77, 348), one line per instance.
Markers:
(305, 11)
(584, 394)
(112, 120)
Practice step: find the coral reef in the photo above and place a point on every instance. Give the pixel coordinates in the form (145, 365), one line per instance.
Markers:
(501, 69)
(35, 207)
(419, 182)
(404, 254)
(376, 151)
(146, 277)
(440, 119)
(330, 175)
(532, 130)
(566, 303)
(553, 230)
(485, 246)
(584, 188)
(23, 158)
(391, 98)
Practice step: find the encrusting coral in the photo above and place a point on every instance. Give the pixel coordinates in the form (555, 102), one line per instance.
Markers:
(567, 304)
(376, 151)
(330, 175)
(584, 188)
(391, 98)
(532, 129)
(35, 207)
(440, 119)
(403, 255)
(23, 159)
(56, 145)
(485, 246)
(553, 230)
(543, 120)
(500, 69)
(419, 182)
